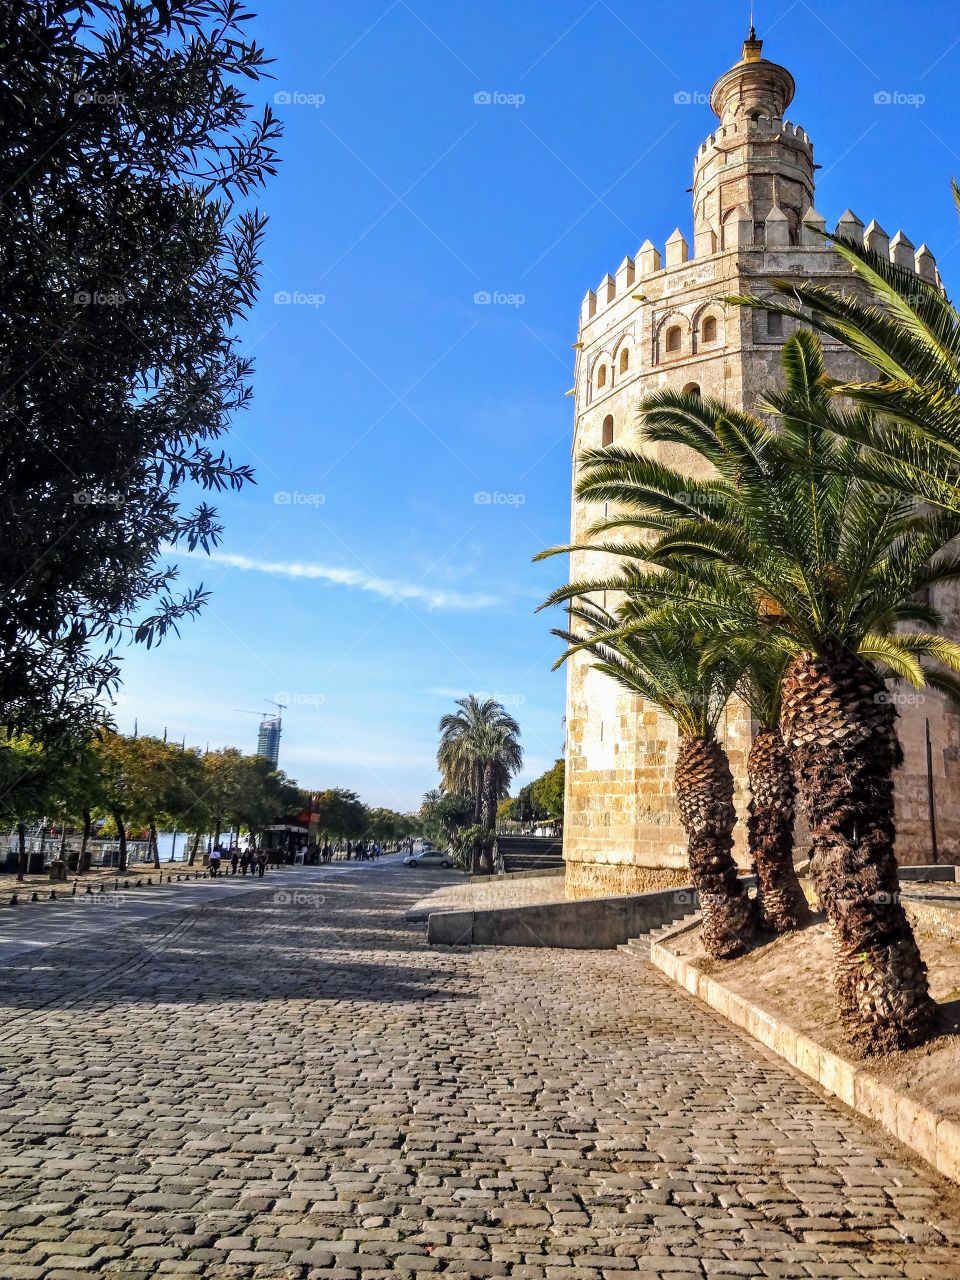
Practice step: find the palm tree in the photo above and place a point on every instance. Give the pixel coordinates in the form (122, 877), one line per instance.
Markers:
(667, 666)
(909, 332)
(479, 753)
(832, 568)
(770, 825)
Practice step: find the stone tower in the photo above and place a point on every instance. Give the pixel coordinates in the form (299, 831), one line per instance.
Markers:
(659, 322)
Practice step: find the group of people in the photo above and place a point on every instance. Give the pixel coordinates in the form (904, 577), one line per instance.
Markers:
(362, 850)
(242, 860)
(255, 861)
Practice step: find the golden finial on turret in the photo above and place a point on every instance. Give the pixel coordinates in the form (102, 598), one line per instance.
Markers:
(752, 47)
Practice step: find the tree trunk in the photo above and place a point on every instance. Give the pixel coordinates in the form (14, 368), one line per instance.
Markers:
(122, 836)
(840, 729)
(193, 852)
(83, 863)
(783, 907)
(704, 787)
(154, 848)
(487, 802)
(21, 851)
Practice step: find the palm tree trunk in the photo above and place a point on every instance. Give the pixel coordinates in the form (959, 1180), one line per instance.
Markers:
(193, 852)
(487, 803)
(840, 728)
(704, 788)
(783, 907)
(154, 847)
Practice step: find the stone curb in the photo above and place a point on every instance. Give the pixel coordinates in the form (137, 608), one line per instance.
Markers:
(932, 1136)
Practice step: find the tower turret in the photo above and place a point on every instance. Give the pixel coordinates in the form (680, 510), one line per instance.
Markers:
(756, 160)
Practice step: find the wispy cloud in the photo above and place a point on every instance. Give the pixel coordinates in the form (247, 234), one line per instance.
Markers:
(386, 588)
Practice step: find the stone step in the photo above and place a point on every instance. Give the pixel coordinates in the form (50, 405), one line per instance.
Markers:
(530, 853)
(641, 945)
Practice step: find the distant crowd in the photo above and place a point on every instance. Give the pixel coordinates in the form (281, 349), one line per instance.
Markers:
(244, 861)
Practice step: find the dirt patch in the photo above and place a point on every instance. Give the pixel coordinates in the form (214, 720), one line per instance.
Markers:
(792, 978)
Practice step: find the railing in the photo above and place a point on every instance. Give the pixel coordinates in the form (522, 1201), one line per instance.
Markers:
(102, 853)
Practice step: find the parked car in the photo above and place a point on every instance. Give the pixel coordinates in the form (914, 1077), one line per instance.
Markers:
(428, 858)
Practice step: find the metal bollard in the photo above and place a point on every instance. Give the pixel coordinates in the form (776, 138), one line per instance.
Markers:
(74, 893)
(53, 895)
(14, 899)
(34, 897)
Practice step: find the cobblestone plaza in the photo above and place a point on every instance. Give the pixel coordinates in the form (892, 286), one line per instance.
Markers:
(289, 1082)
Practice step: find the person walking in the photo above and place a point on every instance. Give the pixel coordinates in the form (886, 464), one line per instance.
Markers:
(326, 853)
(234, 860)
(245, 862)
(215, 853)
(261, 862)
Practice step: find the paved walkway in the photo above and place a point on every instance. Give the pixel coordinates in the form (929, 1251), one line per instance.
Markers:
(31, 925)
(274, 1087)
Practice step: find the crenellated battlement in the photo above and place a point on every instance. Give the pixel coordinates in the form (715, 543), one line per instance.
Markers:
(764, 128)
(740, 231)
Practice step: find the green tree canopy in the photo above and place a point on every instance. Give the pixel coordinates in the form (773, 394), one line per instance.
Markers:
(128, 253)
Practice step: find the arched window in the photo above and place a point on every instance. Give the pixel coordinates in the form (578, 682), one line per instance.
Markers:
(691, 389)
(606, 436)
(601, 376)
(672, 343)
(710, 329)
(624, 360)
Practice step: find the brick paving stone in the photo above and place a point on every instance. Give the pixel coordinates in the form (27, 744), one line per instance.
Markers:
(264, 1090)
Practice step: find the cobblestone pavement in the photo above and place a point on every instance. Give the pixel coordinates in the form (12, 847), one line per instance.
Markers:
(30, 926)
(274, 1087)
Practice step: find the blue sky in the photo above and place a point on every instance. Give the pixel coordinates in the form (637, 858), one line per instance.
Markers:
(362, 576)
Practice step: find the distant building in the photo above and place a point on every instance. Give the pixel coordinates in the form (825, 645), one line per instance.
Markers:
(268, 739)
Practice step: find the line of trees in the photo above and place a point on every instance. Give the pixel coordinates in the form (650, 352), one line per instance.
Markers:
(137, 784)
(539, 801)
(125, 784)
(801, 576)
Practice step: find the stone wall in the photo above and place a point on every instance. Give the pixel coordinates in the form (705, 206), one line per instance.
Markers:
(621, 829)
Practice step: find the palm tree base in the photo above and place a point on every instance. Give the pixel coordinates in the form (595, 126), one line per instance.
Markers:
(883, 999)
(704, 786)
(838, 721)
(729, 916)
